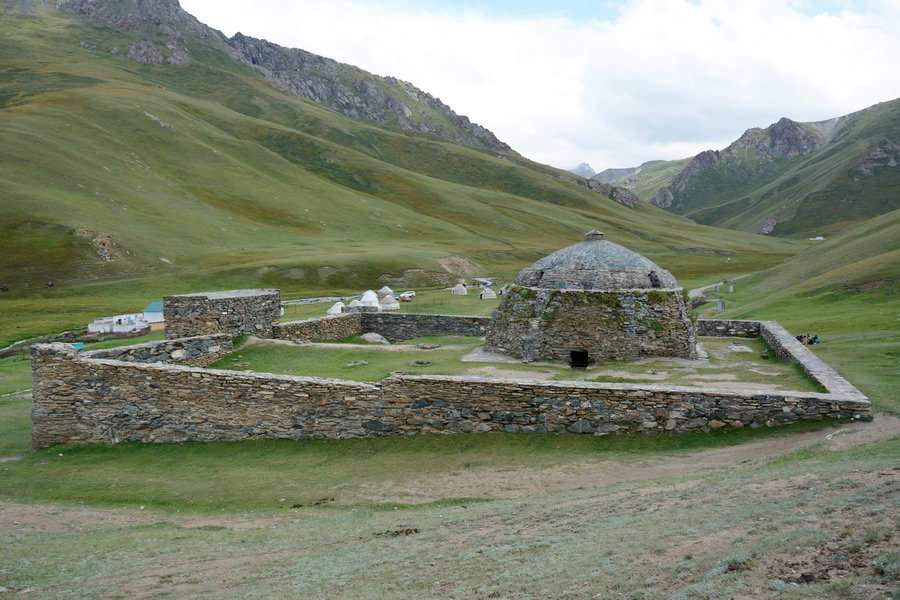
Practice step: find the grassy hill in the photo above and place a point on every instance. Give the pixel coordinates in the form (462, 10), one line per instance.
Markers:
(846, 290)
(203, 176)
(807, 178)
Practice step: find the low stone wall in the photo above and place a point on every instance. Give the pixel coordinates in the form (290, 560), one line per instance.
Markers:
(726, 327)
(319, 329)
(107, 401)
(787, 347)
(195, 351)
(79, 399)
(399, 327)
(136, 393)
(236, 312)
(467, 404)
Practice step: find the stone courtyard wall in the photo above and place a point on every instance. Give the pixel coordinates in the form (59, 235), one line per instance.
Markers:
(321, 329)
(195, 351)
(236, 312)
(82, 398)
(399, 327)
(727, 327)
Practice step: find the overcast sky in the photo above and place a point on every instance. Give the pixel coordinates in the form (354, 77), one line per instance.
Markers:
(612, 83)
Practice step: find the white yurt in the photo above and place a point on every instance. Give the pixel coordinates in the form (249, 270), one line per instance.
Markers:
(390, 303)
(355, 303)
(385, 291)
(370, 298)
(459, 290)
(337, 309)
(487, 294)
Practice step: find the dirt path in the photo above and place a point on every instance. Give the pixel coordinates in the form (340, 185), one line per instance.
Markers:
(511, 483)
(701, 291)
(481, 482)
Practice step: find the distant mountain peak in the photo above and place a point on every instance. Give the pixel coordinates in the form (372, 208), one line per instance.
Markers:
(794, 178)
(584, 170)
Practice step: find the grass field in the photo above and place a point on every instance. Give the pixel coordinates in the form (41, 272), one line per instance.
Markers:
(205, 178)
(337, 360)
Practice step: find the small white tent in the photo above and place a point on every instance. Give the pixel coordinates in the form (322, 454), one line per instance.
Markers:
(337, 309)
(459, 290)
(370, 298)
(385, 291)
(390, 303)
(355, 303)
(487, 294)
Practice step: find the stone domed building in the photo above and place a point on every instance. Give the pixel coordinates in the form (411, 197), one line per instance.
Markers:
(591, 302)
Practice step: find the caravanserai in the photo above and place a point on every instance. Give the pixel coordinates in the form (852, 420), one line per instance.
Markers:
(593, 301)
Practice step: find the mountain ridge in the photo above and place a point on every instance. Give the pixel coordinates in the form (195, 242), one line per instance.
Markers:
(347, 89)
(790, 178)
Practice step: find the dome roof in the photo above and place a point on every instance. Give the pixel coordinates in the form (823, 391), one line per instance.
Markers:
(595, 264)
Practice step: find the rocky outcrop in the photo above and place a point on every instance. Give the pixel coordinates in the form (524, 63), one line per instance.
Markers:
(882, 154)
(343, 88)
(781, 141)
(768, 226)
(138, 16)
(665, 197)
(145, 52)
(620, 195)
(358, 94)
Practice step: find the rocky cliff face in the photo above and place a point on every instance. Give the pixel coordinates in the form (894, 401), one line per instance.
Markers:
(782, 140)
(343, 88)
(358, 94)
(138, 16)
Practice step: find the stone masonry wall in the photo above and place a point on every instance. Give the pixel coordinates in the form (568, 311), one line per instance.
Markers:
(725, 327)
(320, 329)
(543, 324)
(86, 397)
(78, 399)
(399, 327)
(195, 351)
(236, 312)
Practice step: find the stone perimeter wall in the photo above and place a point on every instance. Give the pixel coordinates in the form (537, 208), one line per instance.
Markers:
(237, 312)
(397, 327)
(81, 398)
(193, 351)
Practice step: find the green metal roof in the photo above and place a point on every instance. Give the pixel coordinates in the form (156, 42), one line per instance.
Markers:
(154, 307)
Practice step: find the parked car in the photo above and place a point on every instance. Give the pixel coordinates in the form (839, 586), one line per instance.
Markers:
(405, 299)
(411, 294)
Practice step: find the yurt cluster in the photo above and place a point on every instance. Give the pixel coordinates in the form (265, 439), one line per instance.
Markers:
(371, 301)
(388, 299)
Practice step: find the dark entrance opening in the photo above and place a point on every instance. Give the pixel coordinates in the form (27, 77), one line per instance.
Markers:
(579, 359)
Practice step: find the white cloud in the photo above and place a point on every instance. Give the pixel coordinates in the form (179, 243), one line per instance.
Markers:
(666, 79)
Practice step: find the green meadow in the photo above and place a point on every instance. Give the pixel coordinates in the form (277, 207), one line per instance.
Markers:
(203, 177)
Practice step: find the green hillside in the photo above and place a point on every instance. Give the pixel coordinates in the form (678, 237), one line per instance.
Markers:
(846, 290)
(203, 176)
(803, 179)
(647, 182)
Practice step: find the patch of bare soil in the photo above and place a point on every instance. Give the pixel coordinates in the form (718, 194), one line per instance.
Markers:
(499, 373)
(459, 266)
(491, 482)
(654, 376)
